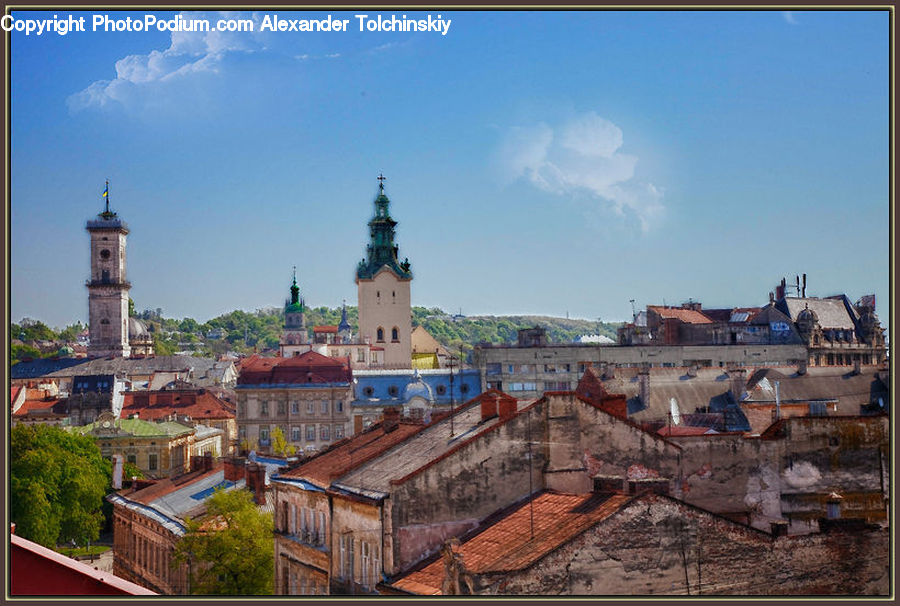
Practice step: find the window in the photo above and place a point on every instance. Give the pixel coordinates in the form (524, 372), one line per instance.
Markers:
(264, 409)
(339, 406)
(324, 407)
(338, 432)
(393, 391)
(104, 254)
(325, 432)
(379, 335)
(282, 408)
(395, 335)
(492, 368)
(242, 410)
(264, 435)
(310, 433)
(365, 550)
(527, 386)
(242, 432)
(296, 434)
(441, 389)
(320, 535)
(132, 459)
(310, 407)
(556, 385)
(152, 465)
(360, 355)
(464, 388)
(295, 407)
(368, 391)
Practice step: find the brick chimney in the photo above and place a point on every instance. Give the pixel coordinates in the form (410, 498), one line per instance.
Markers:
(391, 419)
(489, 406)
(207, 461)
(507, 408)
(256, 482)
(657, 485)
(644, 386)
(738, 378)
(234, 469)
(609, 484)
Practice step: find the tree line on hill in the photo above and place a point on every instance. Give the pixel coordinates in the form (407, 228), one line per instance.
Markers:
(246, 332)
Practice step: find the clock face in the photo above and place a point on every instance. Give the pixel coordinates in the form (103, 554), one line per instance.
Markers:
(105, 423)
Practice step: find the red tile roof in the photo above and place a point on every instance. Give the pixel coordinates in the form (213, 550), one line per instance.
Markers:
(350, 453)
(14, 392)
(325, 329)
(308, 367)
(507, 544)
(196, 403)
(39, 407)
(688, 316)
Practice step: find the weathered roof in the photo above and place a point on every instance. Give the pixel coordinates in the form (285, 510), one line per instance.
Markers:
(819, 383)
(832, 313)
(688, 316)
(66, 367)
(138, 428)
(422, 448)
(51, 406)
(344, 456)
(42, 367)
(507, 544)
(196, 403)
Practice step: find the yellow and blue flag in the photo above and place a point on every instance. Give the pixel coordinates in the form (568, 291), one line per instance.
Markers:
(106, 191)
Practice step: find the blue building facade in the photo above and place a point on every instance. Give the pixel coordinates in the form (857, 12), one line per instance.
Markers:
(413, 391)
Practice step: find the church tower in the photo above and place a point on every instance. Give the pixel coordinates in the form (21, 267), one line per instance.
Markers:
(385, 313)
(108, 286)
(294, 321)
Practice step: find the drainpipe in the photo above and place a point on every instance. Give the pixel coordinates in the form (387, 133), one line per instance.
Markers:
(777, 401)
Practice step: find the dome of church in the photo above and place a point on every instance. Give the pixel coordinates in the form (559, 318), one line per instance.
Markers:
(807, 316)
(65, 350)
(137, 331)
(417, 388)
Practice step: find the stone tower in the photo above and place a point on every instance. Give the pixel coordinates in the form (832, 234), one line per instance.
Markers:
(385, 313)
(108, 286)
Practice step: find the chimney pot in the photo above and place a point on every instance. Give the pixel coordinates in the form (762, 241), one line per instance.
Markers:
(507, 408)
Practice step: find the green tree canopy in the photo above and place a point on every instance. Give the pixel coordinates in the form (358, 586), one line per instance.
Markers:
(230, 549)
(57, 481)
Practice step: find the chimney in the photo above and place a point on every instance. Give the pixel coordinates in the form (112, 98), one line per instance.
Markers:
(644, 386)
(771, 297)
(692, 370)
(207, 461)
(256, 482)
(196, 463)
(609, 484)
(234, 469)
(801, 366)
(391, 419)
(738, 378)
(609, 370)
(779, 528)
(856, 369)
(118, 464)
(656, 485)
(507, 408)
(489, 407)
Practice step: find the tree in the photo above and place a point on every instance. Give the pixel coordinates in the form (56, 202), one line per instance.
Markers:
(229, 550)
(280, 445)
(57, 481)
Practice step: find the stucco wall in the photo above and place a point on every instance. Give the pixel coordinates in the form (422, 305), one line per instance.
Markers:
(662, 547)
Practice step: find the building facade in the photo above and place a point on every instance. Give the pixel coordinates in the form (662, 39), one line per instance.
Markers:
(383, 287)
(108, 287)
(307, 396)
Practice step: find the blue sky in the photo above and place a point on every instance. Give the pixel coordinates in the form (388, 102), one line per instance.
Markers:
(537, 162)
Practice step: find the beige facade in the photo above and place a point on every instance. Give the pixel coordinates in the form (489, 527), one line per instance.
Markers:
(385, 316)
(311, 418)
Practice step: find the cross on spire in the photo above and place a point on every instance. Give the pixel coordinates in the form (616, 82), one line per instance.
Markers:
(381, 180)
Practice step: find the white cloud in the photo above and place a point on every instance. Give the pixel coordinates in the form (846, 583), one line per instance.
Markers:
(189, 53)
(789, 17)
(581, 156)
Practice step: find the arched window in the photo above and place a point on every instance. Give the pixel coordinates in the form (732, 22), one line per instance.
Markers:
(395, 334)
(379, 335)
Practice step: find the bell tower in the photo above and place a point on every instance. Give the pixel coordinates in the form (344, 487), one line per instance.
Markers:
(385, 311)
(108, 287)
(294, 321)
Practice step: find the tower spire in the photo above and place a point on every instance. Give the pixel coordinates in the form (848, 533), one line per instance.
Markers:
(295, 290)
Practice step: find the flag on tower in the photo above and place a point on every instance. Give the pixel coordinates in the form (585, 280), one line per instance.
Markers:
(106, 191)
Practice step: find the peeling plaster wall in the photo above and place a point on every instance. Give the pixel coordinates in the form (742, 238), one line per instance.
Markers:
(595, 442)
(469, 484)
(662, 547)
